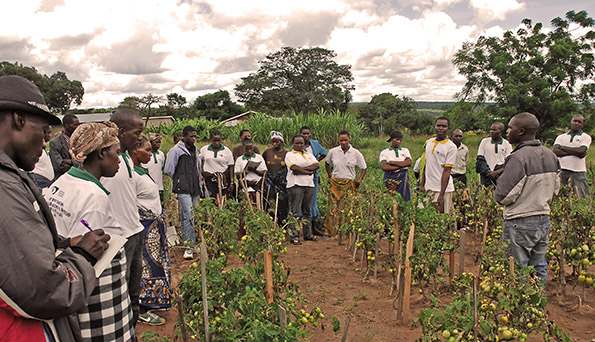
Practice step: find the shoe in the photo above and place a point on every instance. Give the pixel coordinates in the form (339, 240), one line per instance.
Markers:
(151, 318)
(313, 238)
(188, 254)
(296, 242)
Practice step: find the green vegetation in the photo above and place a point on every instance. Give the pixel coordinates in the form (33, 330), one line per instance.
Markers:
(547, 73)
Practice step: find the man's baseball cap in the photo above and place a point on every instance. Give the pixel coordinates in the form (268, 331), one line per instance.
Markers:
(18, 93)
(395, 134)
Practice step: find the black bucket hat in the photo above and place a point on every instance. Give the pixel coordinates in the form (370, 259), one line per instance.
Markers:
(18, 93)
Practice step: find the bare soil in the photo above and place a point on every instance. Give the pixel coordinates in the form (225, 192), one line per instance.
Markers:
(327, 277)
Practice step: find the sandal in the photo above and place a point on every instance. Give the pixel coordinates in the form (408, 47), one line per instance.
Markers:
(296, 242)
(151, 318)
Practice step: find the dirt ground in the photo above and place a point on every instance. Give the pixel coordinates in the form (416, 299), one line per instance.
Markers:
(327, 277)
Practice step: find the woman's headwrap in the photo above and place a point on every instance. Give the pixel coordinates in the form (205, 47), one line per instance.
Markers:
(89, 137)
(277, 135)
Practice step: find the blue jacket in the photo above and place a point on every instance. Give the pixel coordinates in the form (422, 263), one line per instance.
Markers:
(184, 169)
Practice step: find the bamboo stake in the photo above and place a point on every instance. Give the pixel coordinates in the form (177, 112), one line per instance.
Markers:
(268, 275)
(407, 289)
(203, 272)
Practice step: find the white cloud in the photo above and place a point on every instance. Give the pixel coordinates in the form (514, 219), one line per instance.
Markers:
(119, 48)
(490, 10)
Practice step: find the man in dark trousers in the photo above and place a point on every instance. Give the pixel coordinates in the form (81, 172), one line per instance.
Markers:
(39, 287)
(60, 146)
(525, 188)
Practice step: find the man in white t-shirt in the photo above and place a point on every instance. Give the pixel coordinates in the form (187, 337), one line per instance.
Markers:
(123, 218)
(440, 155)
(571, 150)
(245, 168)
(491, 154)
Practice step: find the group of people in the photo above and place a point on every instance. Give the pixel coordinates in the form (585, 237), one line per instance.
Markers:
(103, 181)
(524, 178)
(83, 246)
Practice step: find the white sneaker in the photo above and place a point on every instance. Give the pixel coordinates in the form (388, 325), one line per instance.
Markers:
(188, 254)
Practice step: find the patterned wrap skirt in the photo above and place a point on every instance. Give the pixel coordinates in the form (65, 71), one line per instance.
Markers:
(340, 189)
(398, 182)
(156, 277)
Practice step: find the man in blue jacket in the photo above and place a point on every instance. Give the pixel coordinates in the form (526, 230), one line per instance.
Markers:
(183, 166)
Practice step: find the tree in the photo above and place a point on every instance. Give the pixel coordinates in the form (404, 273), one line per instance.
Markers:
(59, 92)
(142, 104)
(386, 112)
(467, 117)
(299, 80)
(217, 106)
(545, 73)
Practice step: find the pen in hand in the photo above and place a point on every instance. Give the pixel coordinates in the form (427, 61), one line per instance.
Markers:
(86, 225)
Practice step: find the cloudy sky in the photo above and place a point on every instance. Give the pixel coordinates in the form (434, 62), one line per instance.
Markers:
(135, 47)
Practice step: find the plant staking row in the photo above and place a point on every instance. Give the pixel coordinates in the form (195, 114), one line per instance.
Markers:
(241, 305)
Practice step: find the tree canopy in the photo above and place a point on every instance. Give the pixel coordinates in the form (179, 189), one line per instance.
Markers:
(217, 106)
(386, 112)
(298, 80)
(59, 92)
(545, 73)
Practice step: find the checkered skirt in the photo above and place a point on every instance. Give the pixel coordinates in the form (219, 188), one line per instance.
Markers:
(108, 315)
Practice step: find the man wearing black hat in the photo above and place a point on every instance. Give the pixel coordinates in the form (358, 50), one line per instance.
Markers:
(394, 162)
(38, 289)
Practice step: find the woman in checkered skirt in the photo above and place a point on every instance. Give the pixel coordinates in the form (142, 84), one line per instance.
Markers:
(78, 203)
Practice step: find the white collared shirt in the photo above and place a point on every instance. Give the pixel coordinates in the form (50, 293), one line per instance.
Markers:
(241, 163)
(155, 167)
(439, 154)
(495, 154)
(219, 162)
(302, 160)
(344, 163)
(573, 163)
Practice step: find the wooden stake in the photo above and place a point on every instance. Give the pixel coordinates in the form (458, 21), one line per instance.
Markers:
(462, 251)
(451, 260)
(181, 317)
(346, 329)
(407, 289)
(276, 210)
(475, 281)
(483, 238)
(376, 261)
(511, 261)
(203, 273)
(268, 275)
(282, 317)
